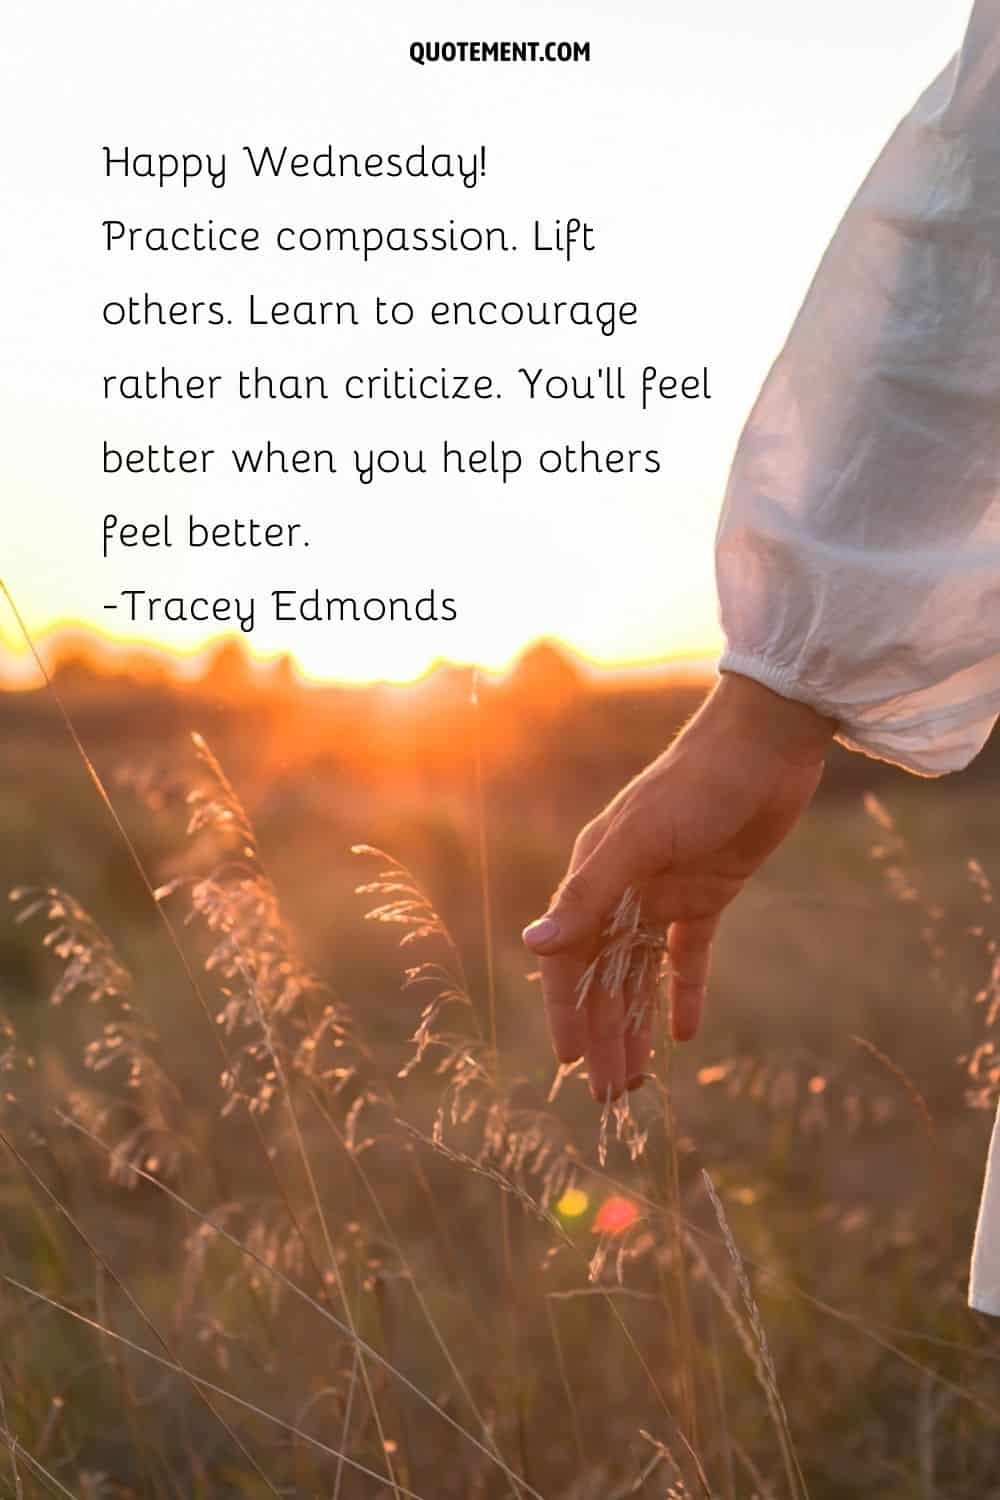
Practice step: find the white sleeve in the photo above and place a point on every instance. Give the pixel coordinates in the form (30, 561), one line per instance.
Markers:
(858, 549)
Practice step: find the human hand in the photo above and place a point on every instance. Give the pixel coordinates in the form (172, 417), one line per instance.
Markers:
(685, 834)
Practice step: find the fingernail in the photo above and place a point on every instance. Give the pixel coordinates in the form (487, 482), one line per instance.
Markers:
(545, 930)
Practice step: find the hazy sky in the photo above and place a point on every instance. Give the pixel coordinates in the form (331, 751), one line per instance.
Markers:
(713, 146)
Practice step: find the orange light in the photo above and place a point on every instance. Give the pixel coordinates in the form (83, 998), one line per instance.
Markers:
(615, 1215)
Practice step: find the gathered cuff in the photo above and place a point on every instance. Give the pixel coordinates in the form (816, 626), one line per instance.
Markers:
(929, 745)
(778, 679)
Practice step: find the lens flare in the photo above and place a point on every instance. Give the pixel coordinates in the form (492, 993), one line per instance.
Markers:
(573, 1203)
(615, 1215)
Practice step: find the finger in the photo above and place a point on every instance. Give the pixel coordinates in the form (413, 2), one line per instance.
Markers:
(583, 903)
(587, 840)
(640, 1018)
(689, 948)
(567, 1020)
(605, 1053)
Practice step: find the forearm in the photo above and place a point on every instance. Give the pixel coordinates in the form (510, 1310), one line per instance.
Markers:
(797, 732)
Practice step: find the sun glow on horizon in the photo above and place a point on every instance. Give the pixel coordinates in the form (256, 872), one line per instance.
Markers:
(106, 650)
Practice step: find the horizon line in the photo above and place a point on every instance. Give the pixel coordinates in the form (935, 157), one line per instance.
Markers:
(63, 639)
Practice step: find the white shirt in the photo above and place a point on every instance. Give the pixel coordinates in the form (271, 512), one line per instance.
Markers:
(858, 549)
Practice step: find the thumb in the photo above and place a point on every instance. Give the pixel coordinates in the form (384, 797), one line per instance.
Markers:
(581, 906)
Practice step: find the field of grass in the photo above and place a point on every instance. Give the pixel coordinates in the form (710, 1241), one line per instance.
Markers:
(290, 1205)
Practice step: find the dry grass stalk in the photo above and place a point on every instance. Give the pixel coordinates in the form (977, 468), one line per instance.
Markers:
(763, 1362)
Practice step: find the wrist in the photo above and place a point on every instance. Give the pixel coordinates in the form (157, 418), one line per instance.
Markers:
(798, 732)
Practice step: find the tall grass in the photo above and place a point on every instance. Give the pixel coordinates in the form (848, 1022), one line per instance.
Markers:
(267, 1240)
